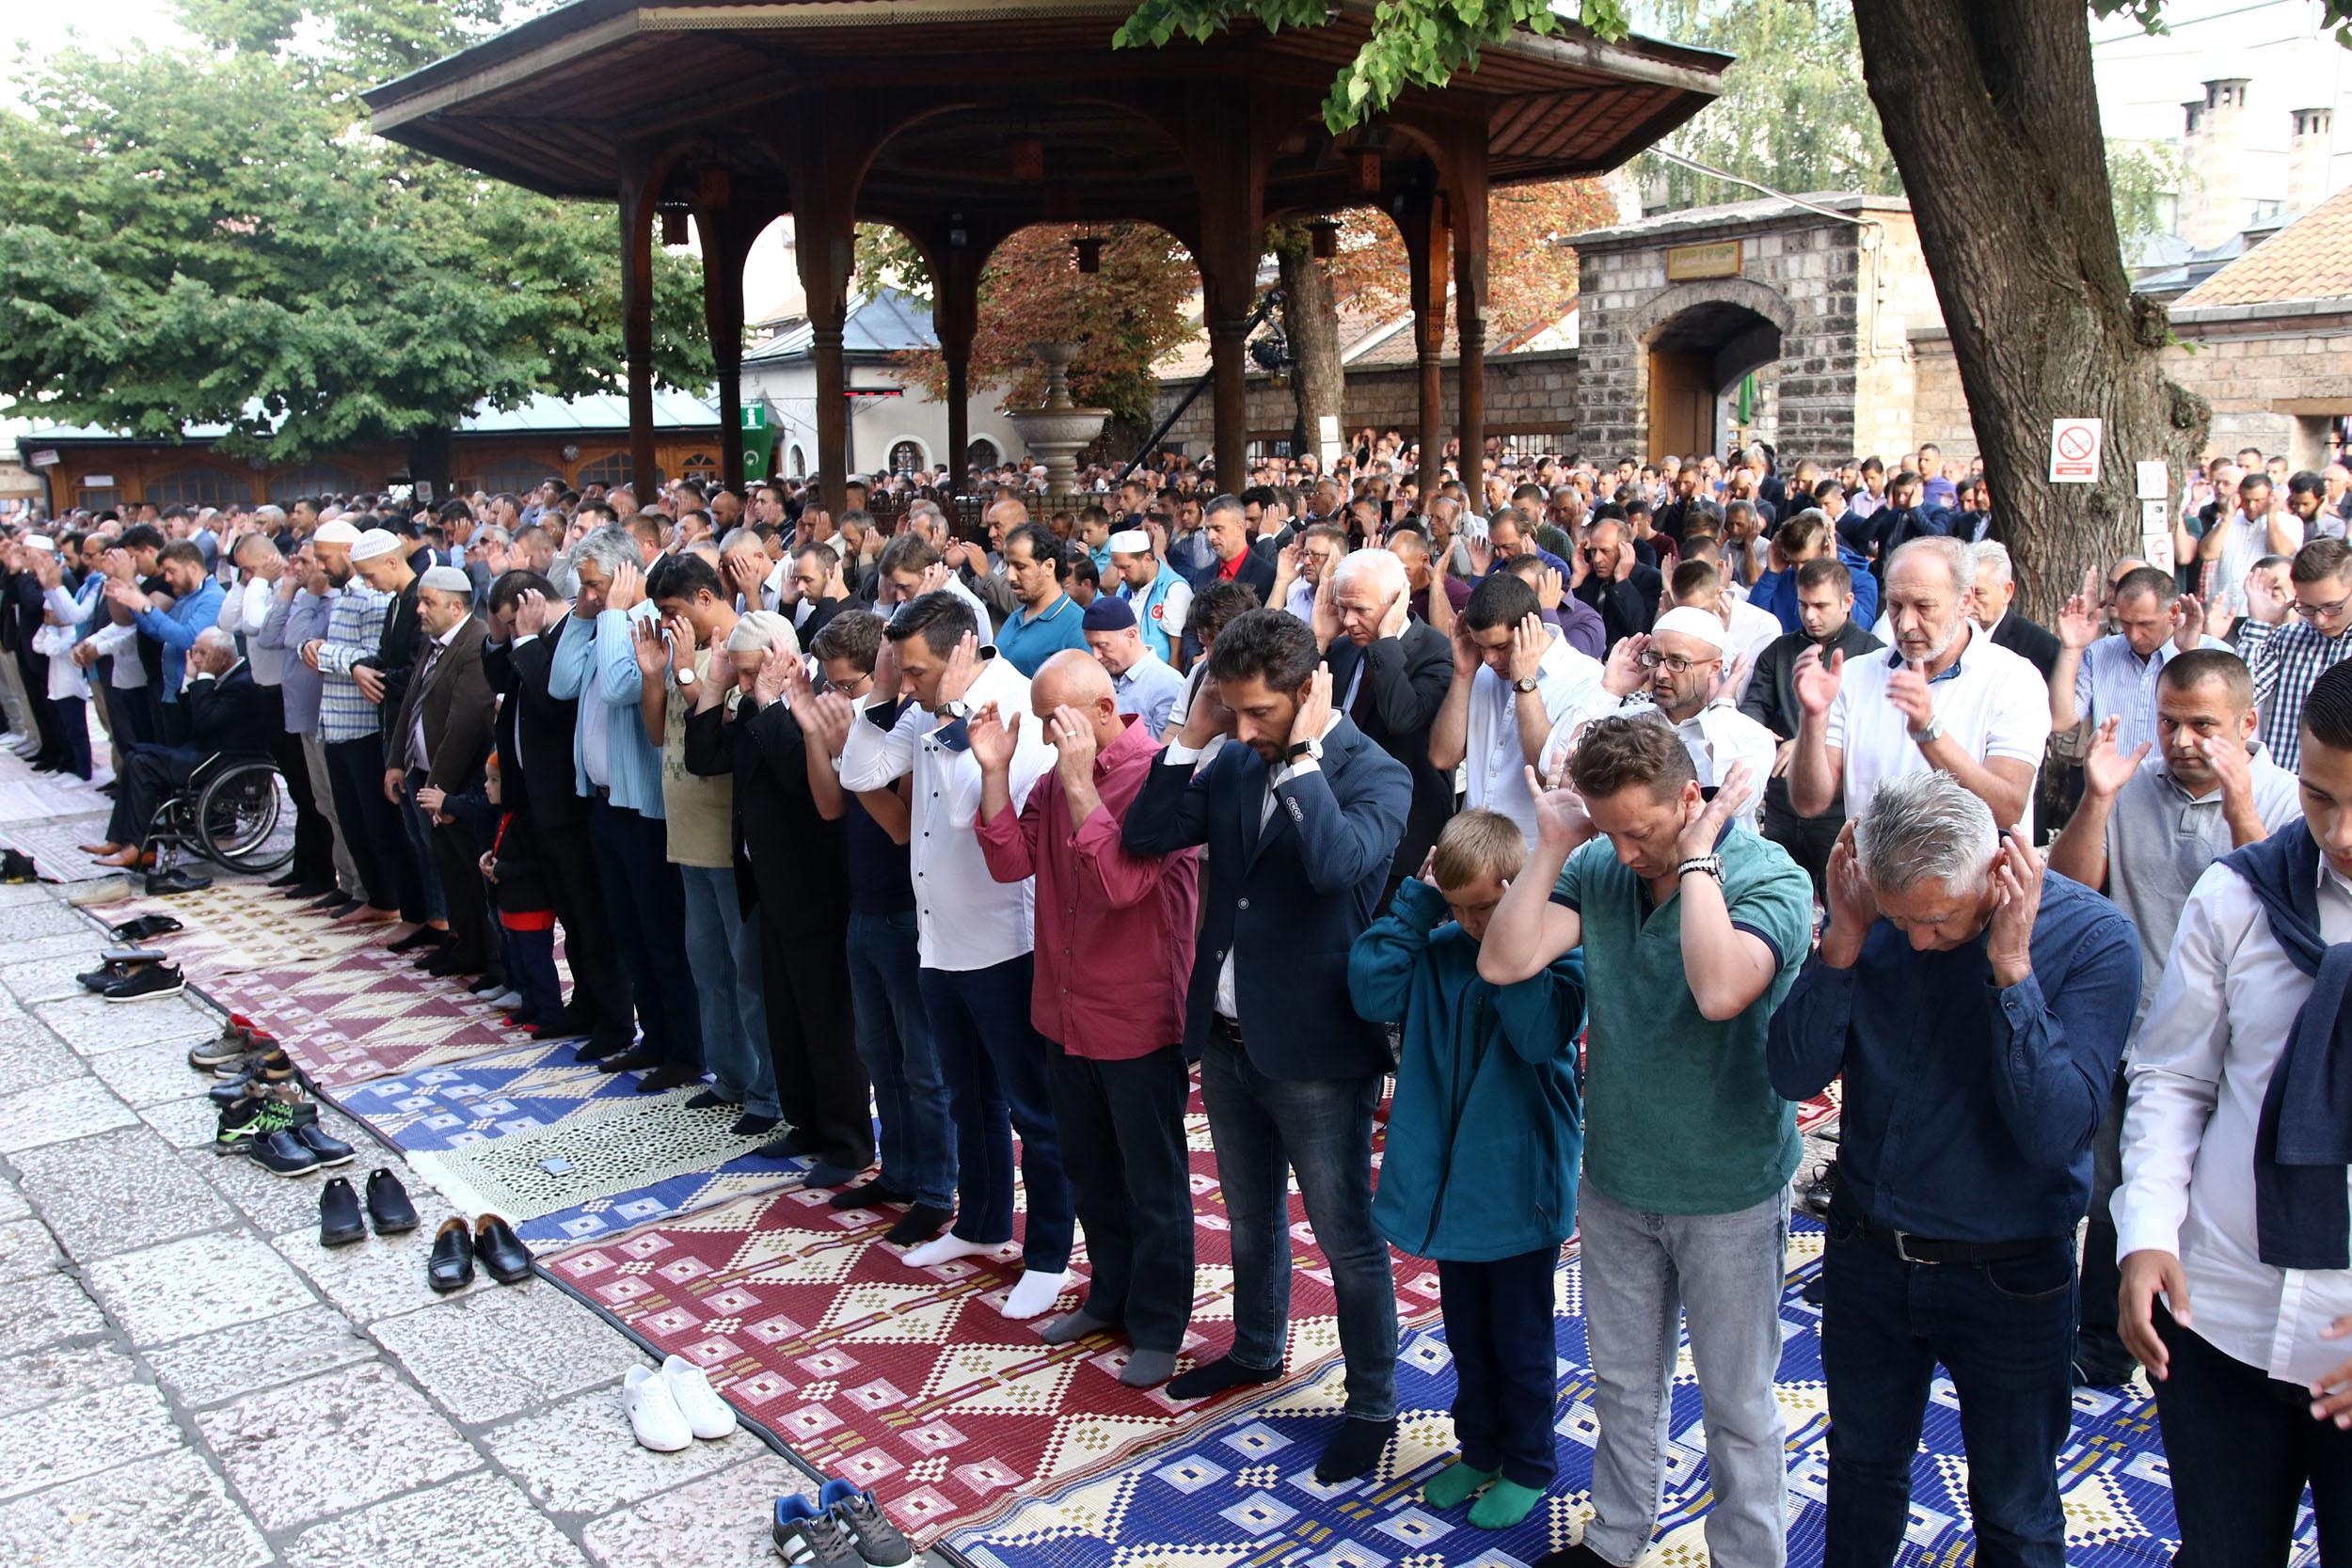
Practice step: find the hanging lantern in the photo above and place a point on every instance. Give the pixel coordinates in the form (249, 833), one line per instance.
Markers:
(673, 226)
(1367, 174)
(1089, 249)
(1324, 236)
(1028, 157)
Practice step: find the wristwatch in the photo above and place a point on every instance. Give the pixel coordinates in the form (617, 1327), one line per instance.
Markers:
(1711, 864)
(1524, 684)
(1929, 735)
(686, 676)
(956, 708)
(1304, 749)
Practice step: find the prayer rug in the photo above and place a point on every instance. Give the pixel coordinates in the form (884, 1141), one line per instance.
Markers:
(1242, 1490)
(909, 1381)
(54, 844)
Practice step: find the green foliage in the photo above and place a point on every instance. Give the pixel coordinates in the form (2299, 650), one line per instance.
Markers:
(1794, 113)
(275, 268)
(2139, 176)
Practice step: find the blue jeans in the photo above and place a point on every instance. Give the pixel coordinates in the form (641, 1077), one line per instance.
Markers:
(1320, 1127)
(1645, 1274)
(894, 1040)
(2005, 1333)
(999, 1073)
(1498, 1323)
(722, 951)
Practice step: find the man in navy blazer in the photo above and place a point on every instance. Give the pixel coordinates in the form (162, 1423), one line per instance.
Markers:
(1302, 820)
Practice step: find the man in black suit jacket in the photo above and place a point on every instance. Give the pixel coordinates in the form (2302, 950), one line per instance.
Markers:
(530, 619)
(436, 744)
(1623, 590)
(1997, 611)
(1301, 818)
(1388, 675)
(225, 715)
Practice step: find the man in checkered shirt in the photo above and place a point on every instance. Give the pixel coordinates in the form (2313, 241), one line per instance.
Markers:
(2288, 646)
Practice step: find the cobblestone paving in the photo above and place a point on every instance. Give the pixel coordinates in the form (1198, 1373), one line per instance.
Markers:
(188, 1378)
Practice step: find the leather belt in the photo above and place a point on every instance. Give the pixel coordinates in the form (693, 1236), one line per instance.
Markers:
(1224, 1028)
(1923, 1249)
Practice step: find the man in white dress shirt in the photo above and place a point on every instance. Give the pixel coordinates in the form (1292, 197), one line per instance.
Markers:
(2235, 1191)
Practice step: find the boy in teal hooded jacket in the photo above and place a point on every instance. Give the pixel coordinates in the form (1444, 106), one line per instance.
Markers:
(1485, 1133)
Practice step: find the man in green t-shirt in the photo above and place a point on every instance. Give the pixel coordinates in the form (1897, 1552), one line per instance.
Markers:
(1693, 929)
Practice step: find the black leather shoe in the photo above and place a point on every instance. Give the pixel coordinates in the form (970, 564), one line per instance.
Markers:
(451, 1267)
(504, 1256)
(594, 1050)
(290, 879)
(635, 1059)
(389, 1209)
(338, 1215)
(424, 936)
(330, 1150)
(281, 1153)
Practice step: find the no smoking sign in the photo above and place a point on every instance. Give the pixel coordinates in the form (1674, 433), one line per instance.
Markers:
(2075, 451)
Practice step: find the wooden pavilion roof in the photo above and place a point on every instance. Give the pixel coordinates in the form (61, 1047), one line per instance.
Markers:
(556, 104)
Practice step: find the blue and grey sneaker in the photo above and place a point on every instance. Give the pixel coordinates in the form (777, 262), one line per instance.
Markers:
(807, 1536)
(877, 1540)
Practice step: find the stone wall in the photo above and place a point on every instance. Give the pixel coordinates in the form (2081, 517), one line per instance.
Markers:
(2277, 375)
(1531, 402)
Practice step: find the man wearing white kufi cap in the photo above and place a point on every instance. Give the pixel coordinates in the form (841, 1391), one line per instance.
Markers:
(1686, 668)
(435, 746)
(351, 721)
(1155, 590)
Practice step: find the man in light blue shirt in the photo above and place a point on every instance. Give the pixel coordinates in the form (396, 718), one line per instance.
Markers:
(1145, 684)
(2100, 678)
(195, 603)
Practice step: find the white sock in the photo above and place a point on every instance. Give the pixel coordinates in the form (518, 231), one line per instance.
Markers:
(945, 1249)
(1036, 1293)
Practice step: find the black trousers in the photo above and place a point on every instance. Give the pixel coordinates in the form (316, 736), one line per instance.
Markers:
(464, 896)
(137, 712)
(2241, 1447)
(314, 838)
(35, 669)
(812, 1039)
(602, 999)
(646, 903)
(74, 733)
(1122, 1147)
(371, 824)
(175, 722)
(1498, 1323)
(1808, 839)
(150, 775)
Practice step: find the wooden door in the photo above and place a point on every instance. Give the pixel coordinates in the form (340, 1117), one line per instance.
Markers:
(1681, 403)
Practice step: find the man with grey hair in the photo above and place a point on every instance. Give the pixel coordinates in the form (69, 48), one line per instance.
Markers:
(1975, 1004)
(1390, 674)
(2005, 624)
(1942, 698)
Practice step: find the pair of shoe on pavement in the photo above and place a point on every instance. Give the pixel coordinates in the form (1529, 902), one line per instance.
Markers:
(490, 1241)
(133, 975)
(388, 1210)
(843, 1528)
(276, 1127)
(671, 1405)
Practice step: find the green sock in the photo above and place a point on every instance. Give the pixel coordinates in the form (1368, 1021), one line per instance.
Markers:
(1505, 1504)
(1453, 1484)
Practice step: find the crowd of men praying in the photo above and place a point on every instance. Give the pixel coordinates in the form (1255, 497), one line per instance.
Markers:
(1591, 823)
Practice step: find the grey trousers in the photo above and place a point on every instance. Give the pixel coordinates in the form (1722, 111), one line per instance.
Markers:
(18, 712)
(1644, 1275)
(323, 797)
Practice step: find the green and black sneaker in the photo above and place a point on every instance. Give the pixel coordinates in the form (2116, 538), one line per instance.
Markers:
(255, 1116)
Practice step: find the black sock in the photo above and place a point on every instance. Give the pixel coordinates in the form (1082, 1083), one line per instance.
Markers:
(1216, 1376)
(1354, 1450)
(919, 1223)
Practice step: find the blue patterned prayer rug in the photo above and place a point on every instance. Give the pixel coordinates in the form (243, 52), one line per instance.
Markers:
(1242, 1491)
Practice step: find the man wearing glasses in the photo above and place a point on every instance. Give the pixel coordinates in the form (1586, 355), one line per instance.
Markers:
(2290, 646)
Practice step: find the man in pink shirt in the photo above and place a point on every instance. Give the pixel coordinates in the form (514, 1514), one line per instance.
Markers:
(1114, 953)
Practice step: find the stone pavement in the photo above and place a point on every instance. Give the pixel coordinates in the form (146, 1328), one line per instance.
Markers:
(188, 1378)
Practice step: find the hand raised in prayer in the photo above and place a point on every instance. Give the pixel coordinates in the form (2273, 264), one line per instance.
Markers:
(530, 613)
(1315, 708)
(1397, 616)
(627, 590)
(1853, 906)
(963, 668)
(1467, 657)
(1549, 590)
(1907, 691)
(1072, 735)
(1622, 675)
(2080, 623)
(826, 723)
(992, 738)
(2008, 941)
(2188, 624)
(1326, 619)
(1817, 679)
(1207, 718)
(1699, 835)
(774, 679)
(1562, 822)
(2227, 756)
(2106, 768)
(653, 657)
(1529, 639)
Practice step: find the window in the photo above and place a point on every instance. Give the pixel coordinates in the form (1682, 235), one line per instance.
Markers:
(982, 453)
(700, 466)
(799, 465)
(198, 486)
(287, 485)
(612, 468)
(521, 475)
(905, 457)
(99, 500)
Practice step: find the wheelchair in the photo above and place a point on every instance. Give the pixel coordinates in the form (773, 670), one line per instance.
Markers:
(233, 811)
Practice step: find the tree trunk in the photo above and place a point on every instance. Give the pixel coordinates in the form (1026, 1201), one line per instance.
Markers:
(1311, 319)
(1989, 110)
(429, 464)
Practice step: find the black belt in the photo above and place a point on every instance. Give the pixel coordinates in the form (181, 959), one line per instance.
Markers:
(1922, 1249)
(1225, 1028)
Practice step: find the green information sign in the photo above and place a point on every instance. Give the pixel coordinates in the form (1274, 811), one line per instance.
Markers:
(759, 443)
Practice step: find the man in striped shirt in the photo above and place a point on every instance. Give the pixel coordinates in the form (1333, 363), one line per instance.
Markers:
(351, 724)
(2313, 632)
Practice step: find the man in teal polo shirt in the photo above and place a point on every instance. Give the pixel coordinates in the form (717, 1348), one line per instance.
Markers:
(1692, 930)
(1048, 620)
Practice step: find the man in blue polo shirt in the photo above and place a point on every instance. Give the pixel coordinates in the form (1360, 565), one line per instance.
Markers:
(1047, 621)
(193, 604)
(1976, 1006)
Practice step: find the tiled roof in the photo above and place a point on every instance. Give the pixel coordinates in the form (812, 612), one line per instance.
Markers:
(2309, 259)
(883, 322)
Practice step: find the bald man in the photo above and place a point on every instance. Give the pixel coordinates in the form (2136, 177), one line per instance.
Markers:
(1113, 952)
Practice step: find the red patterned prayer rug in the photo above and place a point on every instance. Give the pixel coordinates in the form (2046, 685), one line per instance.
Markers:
(909, 1381)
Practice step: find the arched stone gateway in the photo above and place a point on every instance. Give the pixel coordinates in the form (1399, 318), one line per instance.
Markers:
(1814, 297)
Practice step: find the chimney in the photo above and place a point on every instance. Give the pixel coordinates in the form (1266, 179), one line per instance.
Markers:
(2188, 203)
(2309, 158)
(2215, 164)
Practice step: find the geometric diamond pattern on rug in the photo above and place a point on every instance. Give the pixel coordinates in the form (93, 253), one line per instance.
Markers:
(55, 846)
(912, 1381)
(1242, 1488)
(601, 1150)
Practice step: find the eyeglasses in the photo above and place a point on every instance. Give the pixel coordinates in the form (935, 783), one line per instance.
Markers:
(1676, 664)
(2322, 611)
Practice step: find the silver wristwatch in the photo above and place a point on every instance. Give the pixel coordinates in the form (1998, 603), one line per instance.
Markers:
(1929, 736)
(1711, 864)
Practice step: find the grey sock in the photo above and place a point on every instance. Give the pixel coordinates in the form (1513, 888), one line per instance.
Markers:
(1071, 1326)
(1148, 1368)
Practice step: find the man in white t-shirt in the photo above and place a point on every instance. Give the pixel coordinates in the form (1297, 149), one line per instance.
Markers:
(1943, 697)
(1514, 679)
(2258, 528)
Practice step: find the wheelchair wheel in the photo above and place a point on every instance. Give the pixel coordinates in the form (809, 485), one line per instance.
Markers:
(244, 820)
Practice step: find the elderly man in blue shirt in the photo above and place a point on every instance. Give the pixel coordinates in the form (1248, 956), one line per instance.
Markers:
(1976, 1006)
(193, 604)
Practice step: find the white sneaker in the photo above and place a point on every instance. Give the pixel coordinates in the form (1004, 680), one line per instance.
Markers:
(653, 1414)
(703, 1409)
